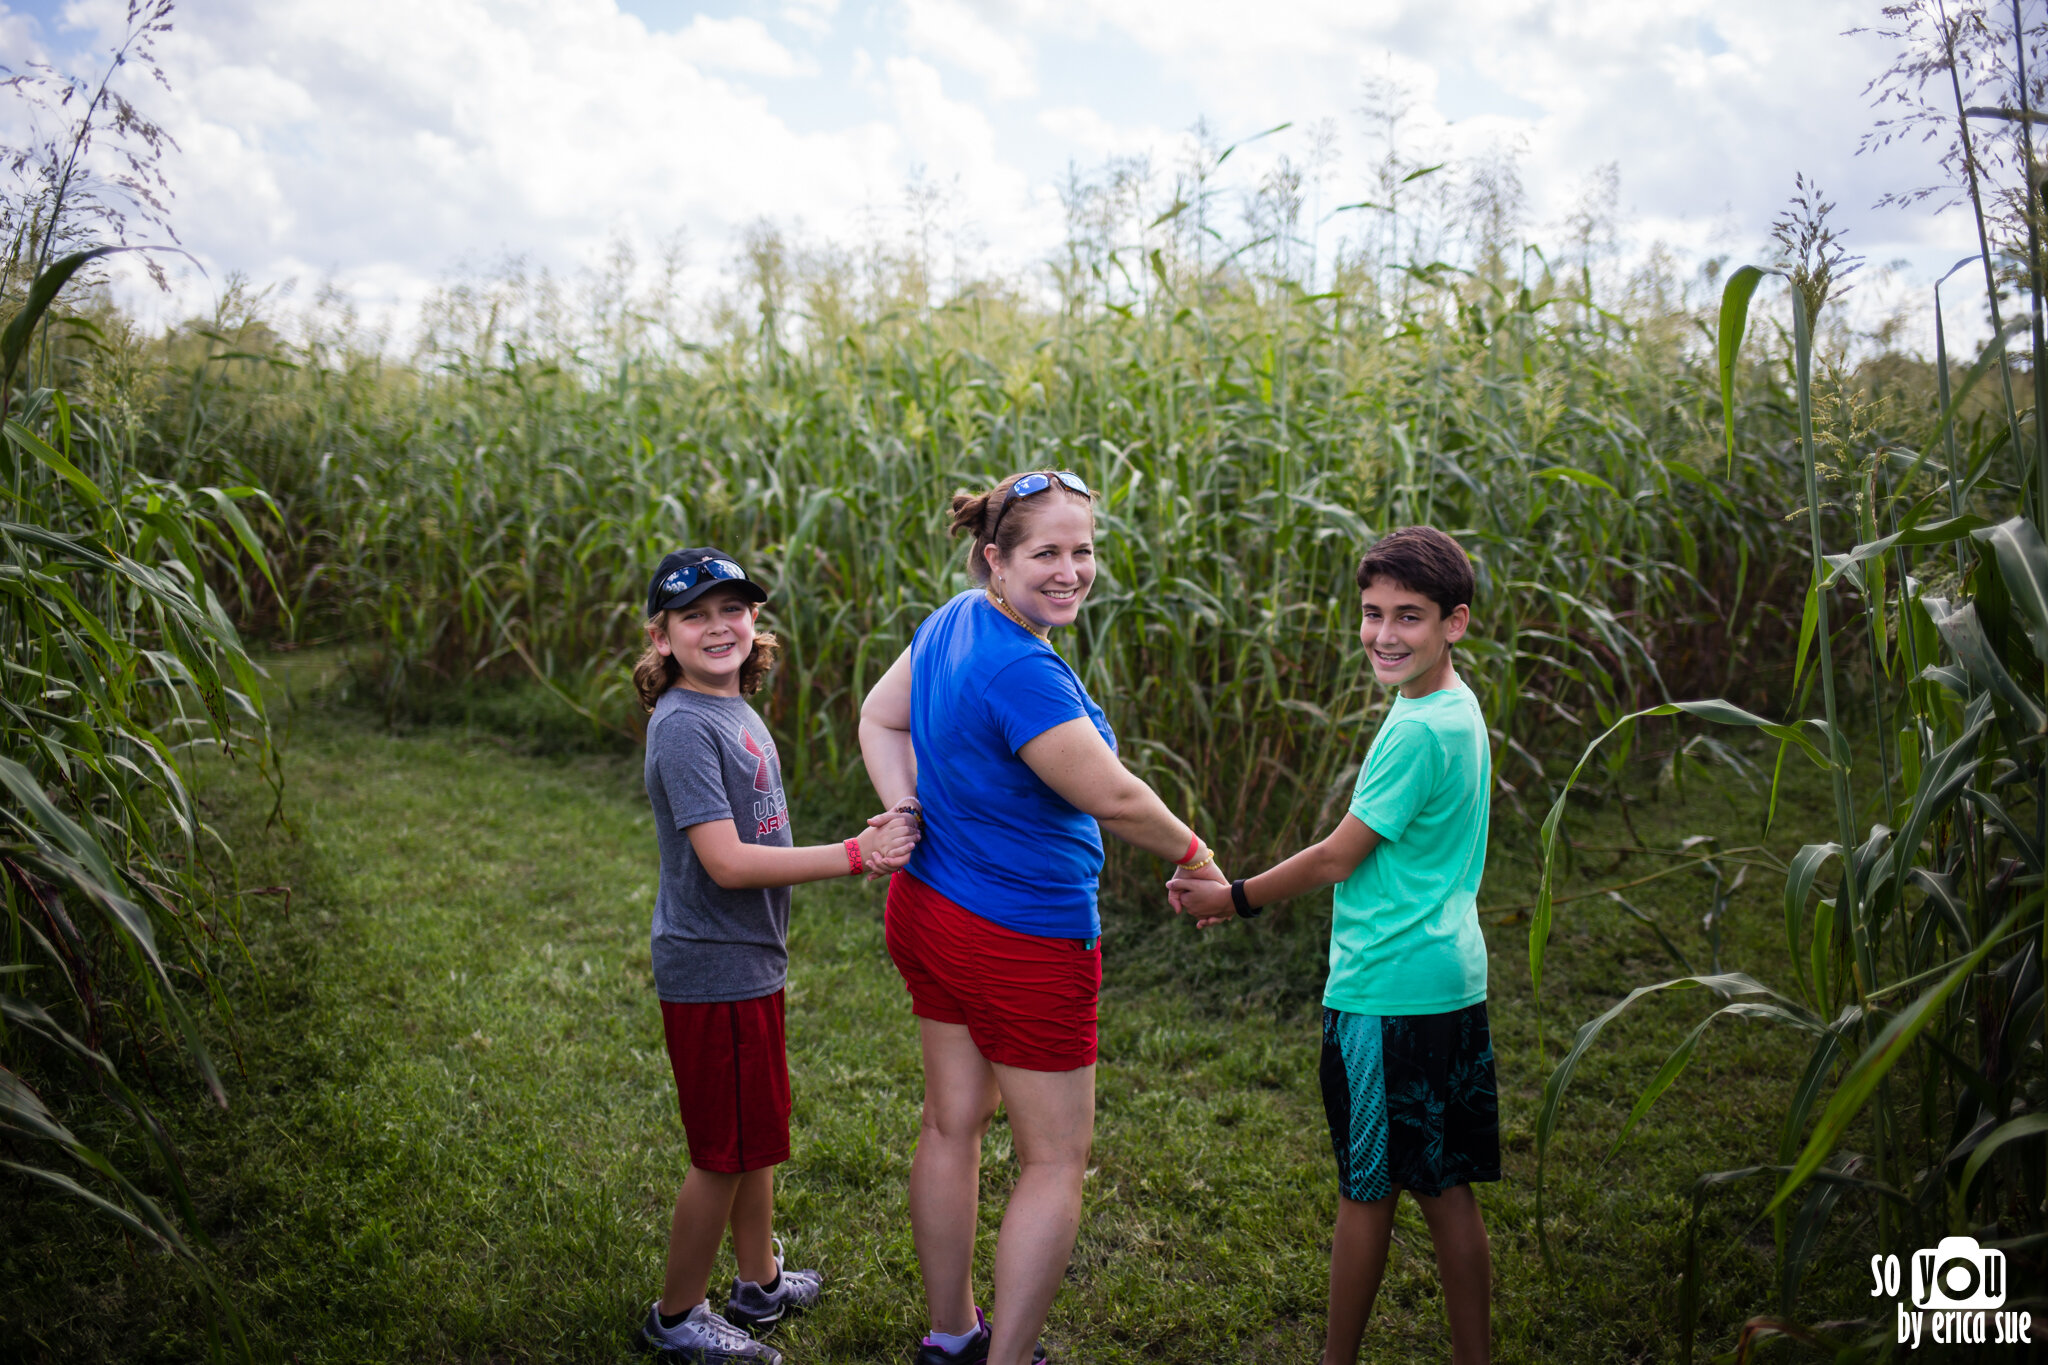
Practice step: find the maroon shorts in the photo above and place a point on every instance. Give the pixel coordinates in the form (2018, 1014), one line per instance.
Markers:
(1027, 1001)
(732, 1081)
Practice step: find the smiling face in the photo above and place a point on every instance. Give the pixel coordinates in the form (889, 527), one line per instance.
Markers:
(1408, 637)
(710, 638)
(1047, 576)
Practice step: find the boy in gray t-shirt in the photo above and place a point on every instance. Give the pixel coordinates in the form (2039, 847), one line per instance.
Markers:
(721, 927)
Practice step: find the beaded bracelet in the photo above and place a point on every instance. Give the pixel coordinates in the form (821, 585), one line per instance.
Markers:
(853, 862)
(1197, 867)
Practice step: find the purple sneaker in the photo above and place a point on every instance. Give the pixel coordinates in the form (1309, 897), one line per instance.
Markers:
(929, 1352)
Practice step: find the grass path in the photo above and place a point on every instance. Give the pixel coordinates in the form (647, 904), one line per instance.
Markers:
(455, 1135)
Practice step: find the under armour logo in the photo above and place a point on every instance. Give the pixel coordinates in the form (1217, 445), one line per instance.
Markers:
(760, 772)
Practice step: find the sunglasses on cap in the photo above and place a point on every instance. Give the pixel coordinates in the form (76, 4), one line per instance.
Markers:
(1037, 483)
(688, 577)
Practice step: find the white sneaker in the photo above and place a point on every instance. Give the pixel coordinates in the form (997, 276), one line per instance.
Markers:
(702, 1338)
(758, 1310)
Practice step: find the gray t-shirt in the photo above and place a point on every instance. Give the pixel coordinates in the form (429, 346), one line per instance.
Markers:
(711, 758)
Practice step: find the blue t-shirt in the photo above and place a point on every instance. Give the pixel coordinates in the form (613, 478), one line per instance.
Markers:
(997, 841)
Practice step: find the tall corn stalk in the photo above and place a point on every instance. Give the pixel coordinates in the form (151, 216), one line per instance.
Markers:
(119, 896)
(118, 658)
(1918, 975)
(495, 518)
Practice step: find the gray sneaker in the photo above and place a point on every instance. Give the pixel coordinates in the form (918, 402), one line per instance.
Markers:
(702, 1338)
(759, 1310)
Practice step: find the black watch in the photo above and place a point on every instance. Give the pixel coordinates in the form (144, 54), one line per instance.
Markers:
(1245, 909)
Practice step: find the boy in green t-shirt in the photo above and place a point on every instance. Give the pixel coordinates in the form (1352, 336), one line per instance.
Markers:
(1407, 1066)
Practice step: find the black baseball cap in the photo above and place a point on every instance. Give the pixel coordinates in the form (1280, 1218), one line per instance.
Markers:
(683, 577)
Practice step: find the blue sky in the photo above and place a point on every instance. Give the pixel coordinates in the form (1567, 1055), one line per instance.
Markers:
(384, 143)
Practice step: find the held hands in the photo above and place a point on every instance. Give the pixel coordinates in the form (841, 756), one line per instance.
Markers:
(889, 840)
(1200, 888)
(1204, 894)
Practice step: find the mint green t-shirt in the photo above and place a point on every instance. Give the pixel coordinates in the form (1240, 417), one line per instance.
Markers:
(1405, 936)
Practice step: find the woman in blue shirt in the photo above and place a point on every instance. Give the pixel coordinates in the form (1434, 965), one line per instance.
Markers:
(986, 731)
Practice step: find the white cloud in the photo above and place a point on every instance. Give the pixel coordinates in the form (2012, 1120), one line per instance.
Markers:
(813, 16)
(955, 142)
(384, 140)
(388, 133)
(17, 37)
(952, 32)
(242, 95)
(738, 45)
(1097, 136)
(1696, 131)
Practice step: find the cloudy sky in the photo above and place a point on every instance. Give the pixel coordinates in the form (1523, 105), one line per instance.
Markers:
(383, 143)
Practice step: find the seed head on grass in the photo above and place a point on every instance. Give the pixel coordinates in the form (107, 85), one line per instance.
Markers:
(1810, 249)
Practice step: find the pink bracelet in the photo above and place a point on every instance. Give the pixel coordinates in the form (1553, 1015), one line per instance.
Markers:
(853, 862)
(1194, 842)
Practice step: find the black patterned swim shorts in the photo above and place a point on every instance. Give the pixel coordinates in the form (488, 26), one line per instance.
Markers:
(1410, 1098)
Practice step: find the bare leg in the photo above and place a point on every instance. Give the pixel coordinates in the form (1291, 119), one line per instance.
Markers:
(945, 1175)
(703, 1208)
(1464, 1264)
(1052, 1119)
(753, 1225)
(1358, 1262)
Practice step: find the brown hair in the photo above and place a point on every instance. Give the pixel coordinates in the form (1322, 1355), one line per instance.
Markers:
(655, 672)
(973, 512)
(1421, 559)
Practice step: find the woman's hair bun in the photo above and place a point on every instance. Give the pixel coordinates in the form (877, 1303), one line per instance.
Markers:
(968, 511)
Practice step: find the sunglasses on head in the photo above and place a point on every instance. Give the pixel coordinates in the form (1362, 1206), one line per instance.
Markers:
(1036, 483)
(688, 577)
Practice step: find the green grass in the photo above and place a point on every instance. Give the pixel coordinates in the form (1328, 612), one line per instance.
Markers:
(454, 1134)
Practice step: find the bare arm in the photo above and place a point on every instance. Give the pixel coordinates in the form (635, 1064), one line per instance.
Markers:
(737, 866)
(1324, 863)
(1074, 760)
(885, 735)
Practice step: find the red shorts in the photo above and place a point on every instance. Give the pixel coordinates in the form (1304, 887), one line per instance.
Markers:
(732, 1081)
(1027, 1001)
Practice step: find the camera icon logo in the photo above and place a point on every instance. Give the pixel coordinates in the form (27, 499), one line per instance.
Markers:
(1957, 1273)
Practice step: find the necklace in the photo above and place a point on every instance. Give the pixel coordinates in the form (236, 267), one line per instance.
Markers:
(1006, 609)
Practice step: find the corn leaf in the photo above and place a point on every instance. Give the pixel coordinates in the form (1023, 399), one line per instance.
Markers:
(2013, 1130)
(2023, 563)
(1735, 296)
(1877, 1061)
